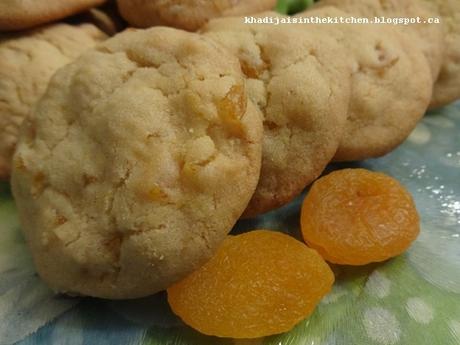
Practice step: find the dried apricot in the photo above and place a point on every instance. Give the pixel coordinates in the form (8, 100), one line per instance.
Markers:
(231, 108)
(257, 284)
(356, 216)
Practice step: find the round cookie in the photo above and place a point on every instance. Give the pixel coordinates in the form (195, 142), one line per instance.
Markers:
(140, 158)
(187, 14)
(303, 91)
(27, 62)
(24, 14)
(431, 37)
(447, 87)
(391, 86)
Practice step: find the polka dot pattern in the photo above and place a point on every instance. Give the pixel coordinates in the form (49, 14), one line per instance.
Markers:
(419, 310)
(381, 326)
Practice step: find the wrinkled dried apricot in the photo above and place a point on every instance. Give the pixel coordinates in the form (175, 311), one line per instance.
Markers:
(356, 216)
(257, 284)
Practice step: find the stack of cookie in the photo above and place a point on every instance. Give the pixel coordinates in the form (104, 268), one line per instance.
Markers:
(143, 152)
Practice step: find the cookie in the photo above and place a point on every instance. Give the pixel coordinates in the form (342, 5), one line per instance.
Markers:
(27, 62)
(139, 159)
(24, 14)
(189, 14)
(391, 86)
(447, 87)
(302, 89)
(431, 37)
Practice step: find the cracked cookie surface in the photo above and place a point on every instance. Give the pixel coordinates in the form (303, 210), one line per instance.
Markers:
(303, 91)
(391, 86)
(430, 37)
(447, 87)
(24, 14)
(140, 158)
(187, 14)
(27, 62)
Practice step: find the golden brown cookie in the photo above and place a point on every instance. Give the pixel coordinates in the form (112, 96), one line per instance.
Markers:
(431, 37)
(447, 87)
(27, 62)
(391, 86)
(24, 14)
(139, 159)
(302, 89)
(186, 14)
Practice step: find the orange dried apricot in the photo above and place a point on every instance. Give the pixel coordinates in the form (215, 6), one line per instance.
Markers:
(257, 284)
(356, 216)
(231, 108)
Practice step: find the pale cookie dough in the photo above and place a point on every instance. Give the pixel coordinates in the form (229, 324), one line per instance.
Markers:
(24, 14)
(447, 87)
(187, 14)
(431, 37)
(27, 62)
(391, 86)
(139, 159)
(303, 89)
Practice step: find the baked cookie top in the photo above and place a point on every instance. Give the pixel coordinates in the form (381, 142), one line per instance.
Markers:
(430, 37)
(447, 87)
(302, 89)
(391, 86)
(187, 14)
(24, 14)
(27, 62)
(139, 159)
